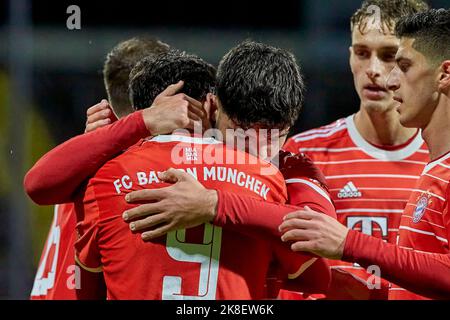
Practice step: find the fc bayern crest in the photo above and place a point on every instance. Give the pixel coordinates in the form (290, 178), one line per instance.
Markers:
(422, 204)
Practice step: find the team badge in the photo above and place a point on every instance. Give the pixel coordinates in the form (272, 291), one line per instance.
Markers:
(422, 203)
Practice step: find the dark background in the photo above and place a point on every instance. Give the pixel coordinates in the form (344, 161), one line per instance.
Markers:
(50, 75)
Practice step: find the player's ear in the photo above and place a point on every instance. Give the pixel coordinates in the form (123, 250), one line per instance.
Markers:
(444, 77)
(213, 108)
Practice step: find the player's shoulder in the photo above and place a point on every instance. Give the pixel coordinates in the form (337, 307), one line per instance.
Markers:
(327, 132)
(201, 150)
(150, 150)
(439, 168)
(321, 136)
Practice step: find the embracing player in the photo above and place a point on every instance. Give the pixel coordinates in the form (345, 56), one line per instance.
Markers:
(420, 264)
(57, 276)
(371, 162)
(207, 262)
(112, 139)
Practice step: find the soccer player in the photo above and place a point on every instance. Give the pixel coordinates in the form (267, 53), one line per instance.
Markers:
(371, 162)
(305, 182)
(420, 264)
(57, 276)
(206, 262)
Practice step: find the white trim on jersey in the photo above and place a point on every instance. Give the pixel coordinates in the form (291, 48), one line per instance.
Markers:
(185, 139)
(396, 289)
(434, 163)
(444, 165)
(370, 200)
(377, 229)
(311, 185)
(430, 193)
(432, 210)
(378, 153)
(320, 135)
(368, 160)
(402, 176)
(346, 267)
(434, 177)
(329, 149)
(322, 129)
(384, 189)
(420, 251)
(370, 210)
(424, 232)
(424, 220)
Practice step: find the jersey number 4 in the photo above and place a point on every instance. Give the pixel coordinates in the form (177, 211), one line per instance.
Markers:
(43, 284)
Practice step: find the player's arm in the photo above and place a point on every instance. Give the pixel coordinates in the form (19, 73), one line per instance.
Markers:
(422, 273)
(189, 204)
(58, 174)
(238, 213)
(305, 183)
(306, 187)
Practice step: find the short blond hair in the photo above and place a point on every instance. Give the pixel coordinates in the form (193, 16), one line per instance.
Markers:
(118, 65)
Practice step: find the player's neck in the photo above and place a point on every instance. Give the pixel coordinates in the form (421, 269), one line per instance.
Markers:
(437, 133)
(382, 128)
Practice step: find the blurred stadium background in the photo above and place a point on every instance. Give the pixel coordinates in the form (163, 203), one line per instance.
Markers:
(50, 75)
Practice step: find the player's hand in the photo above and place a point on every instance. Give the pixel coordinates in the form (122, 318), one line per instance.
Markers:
(99, 115)
(314, 232)
(185, 204)
(299, 166)
(172, 110)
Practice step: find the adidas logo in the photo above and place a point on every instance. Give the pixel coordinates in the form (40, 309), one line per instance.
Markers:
(349, 191)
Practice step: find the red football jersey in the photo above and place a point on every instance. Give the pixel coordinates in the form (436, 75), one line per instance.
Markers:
(306, 187)
(206, 262)
(425, 223)
(306, 191)
(369, 185)
(58, 277)
(55, 277)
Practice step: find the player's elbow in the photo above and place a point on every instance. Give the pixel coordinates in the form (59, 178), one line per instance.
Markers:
(34, 188)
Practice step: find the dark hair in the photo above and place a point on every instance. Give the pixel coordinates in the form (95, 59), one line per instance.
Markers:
(431, 31)
(119, 62)
(389, 12)
(152, 75)
(260, 84)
